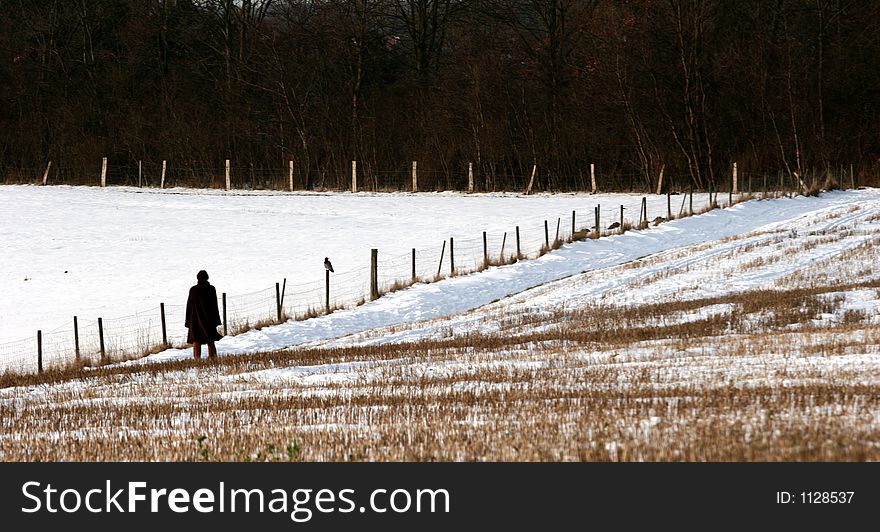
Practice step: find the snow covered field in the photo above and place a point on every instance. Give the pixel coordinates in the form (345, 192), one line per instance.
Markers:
(117, 253)
(452, 296)
(748, 333)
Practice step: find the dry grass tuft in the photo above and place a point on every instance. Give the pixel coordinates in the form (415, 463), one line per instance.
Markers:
(581, 234)
(831, 183)
(397, 285)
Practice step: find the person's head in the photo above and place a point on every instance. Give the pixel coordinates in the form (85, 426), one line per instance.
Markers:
(202, 276)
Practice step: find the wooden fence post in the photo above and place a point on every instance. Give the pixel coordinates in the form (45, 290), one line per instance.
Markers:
(556, 238)
(290, 175)
(470, 177)
(164, 329)
(597, 227)
(46, 173)
(691, 204)
(354, 176)
(278, 300)
(621, 219)
(76, 338)
(532, 179)
(451, 256)
(140, 174)
(162, 182)
(518, 253)
(104, 172)
(660, 180)
(593, 187)
(546, 236)
(572, 225)
(225, 327)
(734, 189)
(374, 274)
(644, 214)
(415, 176)
(39, 351)
(485, 251)
(503, 241)
(327, 291)
(228, 175)
(442, 252)
(668, 205)
(413, 264)
(101, 339)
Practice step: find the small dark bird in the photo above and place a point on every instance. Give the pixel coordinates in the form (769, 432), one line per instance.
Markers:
(327, 265)
(615, 225)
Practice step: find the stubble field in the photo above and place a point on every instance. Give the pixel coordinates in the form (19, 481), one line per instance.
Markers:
(759, 346)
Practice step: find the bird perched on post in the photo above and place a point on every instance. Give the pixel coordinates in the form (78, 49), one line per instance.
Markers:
(327, 265)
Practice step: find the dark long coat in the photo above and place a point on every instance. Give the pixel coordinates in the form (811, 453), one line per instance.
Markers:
(202, 314)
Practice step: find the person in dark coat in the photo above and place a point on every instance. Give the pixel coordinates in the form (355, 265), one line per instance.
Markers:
(202, 316)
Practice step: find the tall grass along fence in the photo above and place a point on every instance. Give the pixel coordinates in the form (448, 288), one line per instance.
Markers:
(91, 340)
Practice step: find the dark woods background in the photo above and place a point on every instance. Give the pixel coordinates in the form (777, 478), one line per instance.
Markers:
(780, 86)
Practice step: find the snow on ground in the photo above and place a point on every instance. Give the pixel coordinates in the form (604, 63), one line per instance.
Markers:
(677, 242)
(91, 252)
(743, 385)
(115, 243)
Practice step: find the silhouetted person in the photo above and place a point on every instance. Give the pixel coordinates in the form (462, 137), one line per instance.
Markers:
(202, 316)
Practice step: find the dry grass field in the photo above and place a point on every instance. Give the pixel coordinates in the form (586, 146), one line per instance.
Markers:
(677, 359)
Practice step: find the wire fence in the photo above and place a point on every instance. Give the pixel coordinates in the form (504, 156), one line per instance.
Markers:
(369, 178)
(90, 342)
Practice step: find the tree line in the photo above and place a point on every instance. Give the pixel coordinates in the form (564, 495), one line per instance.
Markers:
(636, 87)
